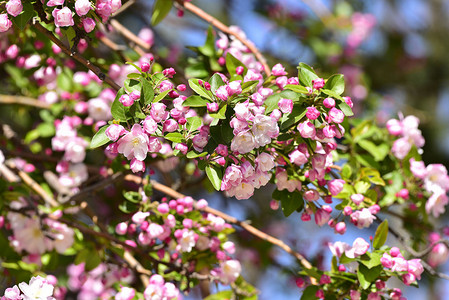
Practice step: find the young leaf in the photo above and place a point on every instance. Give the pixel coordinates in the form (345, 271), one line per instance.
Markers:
(381, 235)
(99, 138)
(195, 101)
(296, 88)
(221, 114)
(194, 85)
(215, 175)
(336, 83)
(232, 63)
(175, 137)
(160, 11)
(306, 74)
(161, 96)
(118, 111)
(193, 123)
(215, 82)
(345, 109)
(208, 49)
(147, 93)
(132, 85)
(367, 276)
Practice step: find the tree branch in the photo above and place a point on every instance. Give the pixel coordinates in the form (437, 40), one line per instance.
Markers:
(222, 27)
(251, 229)
(12, 99)
(77, 56)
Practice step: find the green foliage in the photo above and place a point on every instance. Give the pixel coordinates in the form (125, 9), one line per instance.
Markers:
(161, 9)
(215, 175)
(99, 138)
(381, 235)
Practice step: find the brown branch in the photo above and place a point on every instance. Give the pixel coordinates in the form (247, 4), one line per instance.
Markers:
(251, 229)
(127, 34)
(12, 99)
(77, 56)
(222, 27)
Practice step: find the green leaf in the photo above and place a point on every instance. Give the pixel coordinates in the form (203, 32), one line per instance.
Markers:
(306, 74)
(367, 276)
(132, 85)
(70, 34)
(336, 83)
(221, 114)
(345, 108)
(215, 175)
(160, 11)
(370, 260)
(294, 117)
(118, 111)
(193, 154)
(297, 88)
(379, 152)
(161, 96)
(331, 93)
(290, 202)
(175, 137)
(147, 93)
(361, 187)
(194, 85)
(100, 138)
(46, 129)
(223, 295)
(249, 86)
(193, 123)
(381, 234)
(215, 82)
(65, 82)
(27, 13)
(232, 63)
(195, 101)
(208, 49)
(309, 292)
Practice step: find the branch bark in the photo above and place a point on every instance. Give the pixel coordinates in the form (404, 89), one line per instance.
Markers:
(77, 56)
(222, 27)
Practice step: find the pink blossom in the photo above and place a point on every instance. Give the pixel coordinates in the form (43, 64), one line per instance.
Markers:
(158, 112)
(82, 7)
(312, 113)
(338, 248)
(234, 87)
(63, 17)
(52, 3)
(357, 199)
(307, 130)
(322, 216)
(285, 105)
(394, 127)
(336, 115)
(335, 186)
(359, 247)
(362, 218)
(137, 165)
(243, 142)
(125, 293)
(212, 107)
(14, 7)
(5, 23)
(134, 144)
(114, 131)
(88, 24)
(401, 147)
(222, 93)
(278, 70)
(329, 103)
(418, 168)
(318, 83)
(436, 203)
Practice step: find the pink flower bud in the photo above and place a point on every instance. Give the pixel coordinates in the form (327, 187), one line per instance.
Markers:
(285, 105)
(307, 130)
(394, 127)
(82, 7)
(212, 107)
(300, 282)
(311, 195)
(341, 268)
(121, 228)
(126, 100)
(201, 204)
(325, 279)
(348, 101)
(135, 95)
(222, 93)
(170, 125)
(278, 70)
(357, 199)
(318, 83)
(281, 82)
(340, 228)
(63, 17)
(169, 73)
(182, 148)
(335, 186)
(14, 7)
(403, 193)
(5, 23)
(114, 131)
(239, 70)
(312, 113)
(336, 115)
(276, 114)
(347, 210)
(329, 102)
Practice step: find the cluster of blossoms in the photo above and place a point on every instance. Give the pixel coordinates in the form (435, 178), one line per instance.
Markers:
(63, 12)
(408, 270)
(38, 288)
(98, 283)
(407, 129)
(435, 181)
(37, 236)
(362, 26)
(181, 229)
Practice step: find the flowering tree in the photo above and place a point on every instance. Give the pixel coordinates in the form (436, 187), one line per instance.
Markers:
(94, 179)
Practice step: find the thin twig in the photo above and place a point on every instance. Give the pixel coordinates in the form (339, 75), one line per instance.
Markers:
(251, 229)
(222, 27)
(127, 34)
(77, 57)
(12, 99)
